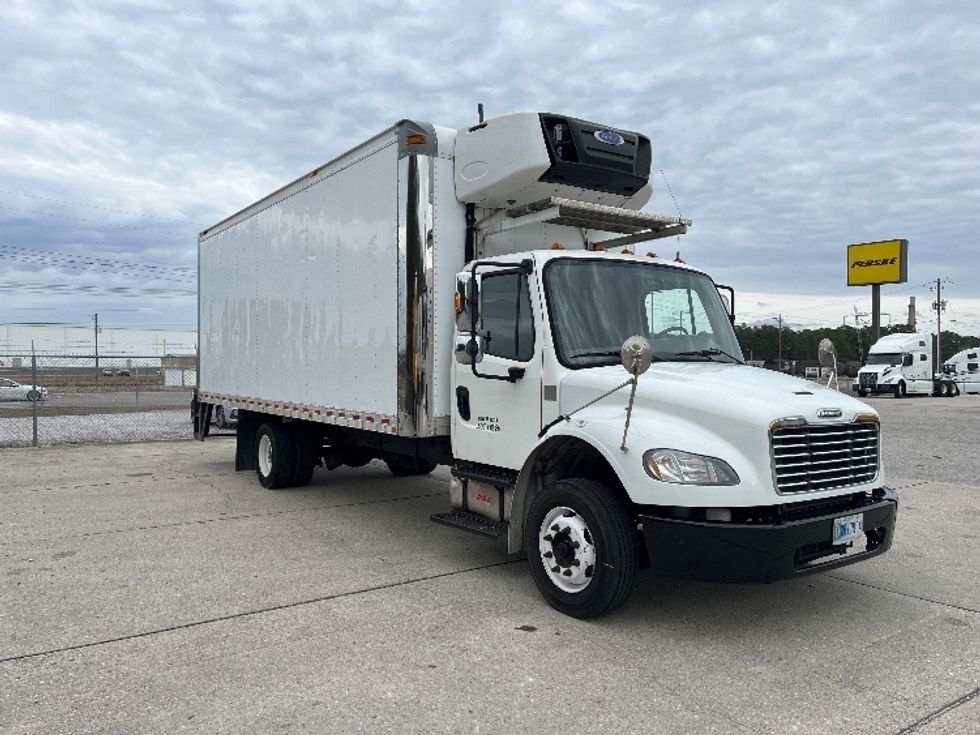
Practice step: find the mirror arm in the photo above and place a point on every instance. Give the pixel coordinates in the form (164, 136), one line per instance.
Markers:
(731, 292)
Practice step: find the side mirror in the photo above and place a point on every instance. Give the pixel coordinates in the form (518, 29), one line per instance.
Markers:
(466, 298)
(468, 350)
(906, 360)
(636, 355)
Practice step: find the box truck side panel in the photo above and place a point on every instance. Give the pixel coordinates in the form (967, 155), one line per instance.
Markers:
(305, 310)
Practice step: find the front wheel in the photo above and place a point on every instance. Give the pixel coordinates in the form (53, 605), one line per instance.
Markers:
(582, 546)
(901, 391)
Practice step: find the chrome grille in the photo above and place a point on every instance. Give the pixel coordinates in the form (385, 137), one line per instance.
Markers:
(812, 457)
(868, 381)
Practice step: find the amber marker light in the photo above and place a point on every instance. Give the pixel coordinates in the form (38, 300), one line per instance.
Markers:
(415, 139)
(557, 246)
(458, 301)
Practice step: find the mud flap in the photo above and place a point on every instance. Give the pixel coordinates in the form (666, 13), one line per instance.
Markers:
(200, 418)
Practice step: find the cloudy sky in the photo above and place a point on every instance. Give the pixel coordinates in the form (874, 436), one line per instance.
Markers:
(786, 131)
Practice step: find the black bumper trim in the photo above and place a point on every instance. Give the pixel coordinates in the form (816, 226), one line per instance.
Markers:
(764, 552)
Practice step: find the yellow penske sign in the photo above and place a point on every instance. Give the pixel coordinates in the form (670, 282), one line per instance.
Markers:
(870, 263)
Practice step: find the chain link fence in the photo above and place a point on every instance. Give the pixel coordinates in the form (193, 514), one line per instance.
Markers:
(71, 399)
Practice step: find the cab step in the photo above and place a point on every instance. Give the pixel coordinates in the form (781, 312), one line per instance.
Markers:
(471, 522)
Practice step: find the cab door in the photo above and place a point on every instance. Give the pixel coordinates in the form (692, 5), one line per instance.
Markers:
(497, 390)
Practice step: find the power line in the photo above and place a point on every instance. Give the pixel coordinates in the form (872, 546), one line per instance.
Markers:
(80, 262)
(104, 209)
(120, 291)
(90, 221)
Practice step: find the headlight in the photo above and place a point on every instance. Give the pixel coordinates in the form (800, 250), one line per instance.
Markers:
(672, 465)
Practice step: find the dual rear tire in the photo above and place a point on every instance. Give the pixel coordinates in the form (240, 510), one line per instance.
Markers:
(285, 456)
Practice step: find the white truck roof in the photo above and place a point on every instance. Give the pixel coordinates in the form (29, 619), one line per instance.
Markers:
(902, 342)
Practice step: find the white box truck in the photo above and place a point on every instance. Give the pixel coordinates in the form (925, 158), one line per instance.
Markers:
(903, 364)
(470, 298)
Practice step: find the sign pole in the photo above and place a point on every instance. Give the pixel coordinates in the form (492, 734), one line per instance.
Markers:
(875, 311)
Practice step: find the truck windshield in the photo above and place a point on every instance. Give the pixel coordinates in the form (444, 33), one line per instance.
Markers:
(885, 358)
(595, 305)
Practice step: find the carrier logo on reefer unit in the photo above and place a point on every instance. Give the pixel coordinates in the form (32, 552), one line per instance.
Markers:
(829, 413)
(609, 137)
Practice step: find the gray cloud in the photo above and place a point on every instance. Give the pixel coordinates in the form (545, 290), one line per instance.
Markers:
(786, 131)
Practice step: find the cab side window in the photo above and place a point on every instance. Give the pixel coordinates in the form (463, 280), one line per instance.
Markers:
(506, 323)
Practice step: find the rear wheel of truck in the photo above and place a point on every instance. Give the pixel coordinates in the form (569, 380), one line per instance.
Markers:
(275, 456)
(409, 466)
(582, 546)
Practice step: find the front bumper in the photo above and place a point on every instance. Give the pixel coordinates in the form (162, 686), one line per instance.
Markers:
(797, 543)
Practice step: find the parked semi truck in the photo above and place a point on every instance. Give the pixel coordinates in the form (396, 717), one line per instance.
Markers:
(903, 364)
(963, 368)
(471, 298)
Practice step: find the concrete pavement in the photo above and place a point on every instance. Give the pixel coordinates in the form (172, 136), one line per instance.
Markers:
(149, 588)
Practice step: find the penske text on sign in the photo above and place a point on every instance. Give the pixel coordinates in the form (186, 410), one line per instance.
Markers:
(869, 263)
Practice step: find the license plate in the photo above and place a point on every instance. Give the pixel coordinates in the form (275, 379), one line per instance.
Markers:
(848, 528)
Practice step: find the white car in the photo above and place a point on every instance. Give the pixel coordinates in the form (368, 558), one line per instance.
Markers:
(13, 391)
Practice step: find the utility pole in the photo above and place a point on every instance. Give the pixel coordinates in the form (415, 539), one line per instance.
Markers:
(96, 317)
(780, 356)
(912, 313)
(939, 306)
(857, 326)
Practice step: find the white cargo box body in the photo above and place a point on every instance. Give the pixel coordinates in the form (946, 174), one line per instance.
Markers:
(331, 299)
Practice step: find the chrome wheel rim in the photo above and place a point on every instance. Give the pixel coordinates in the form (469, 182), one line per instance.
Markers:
(566, 549)
(265, 455)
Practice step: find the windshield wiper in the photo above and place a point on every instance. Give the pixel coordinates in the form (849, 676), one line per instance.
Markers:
(709, 354)
(607, 353)
(601, 353)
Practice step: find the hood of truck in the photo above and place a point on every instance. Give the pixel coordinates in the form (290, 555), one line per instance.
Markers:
(721, 410)
(878, 369)
(883, 372)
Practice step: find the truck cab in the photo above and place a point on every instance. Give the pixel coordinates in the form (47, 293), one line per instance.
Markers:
(899, 365)
(963, 369)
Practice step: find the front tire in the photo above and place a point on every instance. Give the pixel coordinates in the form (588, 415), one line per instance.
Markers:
(901, 391)
(862, 393)
(275, 456)
(582, 546)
